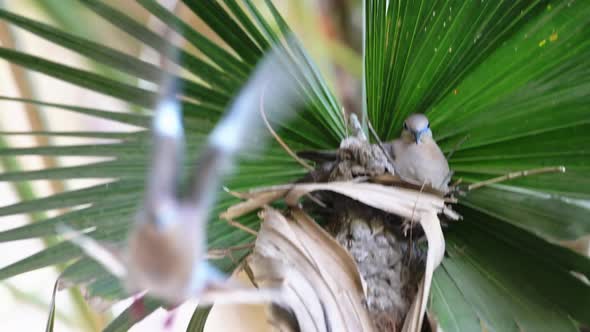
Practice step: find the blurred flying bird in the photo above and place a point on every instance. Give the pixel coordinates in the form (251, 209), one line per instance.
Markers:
(166, 252)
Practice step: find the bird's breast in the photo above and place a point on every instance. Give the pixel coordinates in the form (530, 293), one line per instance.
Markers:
(421, 163)
(160, 261)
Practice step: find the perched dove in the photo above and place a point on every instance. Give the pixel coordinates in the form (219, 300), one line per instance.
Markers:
(417, 157)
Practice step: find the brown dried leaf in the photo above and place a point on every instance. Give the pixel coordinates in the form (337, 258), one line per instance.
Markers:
(436, 250)
(322, 286)
(410, 204)
(407, 203)
(302, 236)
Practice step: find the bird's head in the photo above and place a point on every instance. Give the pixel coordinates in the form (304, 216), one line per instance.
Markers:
(416, 128)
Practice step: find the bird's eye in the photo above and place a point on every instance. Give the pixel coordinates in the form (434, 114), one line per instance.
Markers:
(405, 126)
(428, 126)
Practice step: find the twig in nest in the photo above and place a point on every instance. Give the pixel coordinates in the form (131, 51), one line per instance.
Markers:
(450, 200)
(514, 175)
(345, 119)
(242, 227)
(454, 188)
(244, 266)
(456, 183)
(357, 128)
(316, 200)
(235, 194)
(277, 138)
(374, 133)
(227, 252)
(287, 187)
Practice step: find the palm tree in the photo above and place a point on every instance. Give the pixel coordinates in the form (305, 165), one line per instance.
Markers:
(511, 76)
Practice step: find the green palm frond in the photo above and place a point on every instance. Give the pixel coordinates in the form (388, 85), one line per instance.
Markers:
(511, 76)
(214, 76)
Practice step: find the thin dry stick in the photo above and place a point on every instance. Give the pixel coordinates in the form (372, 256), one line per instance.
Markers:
(235, 194)
(242, 227)
(316, 200)
(221, 253)
(374, 133)
(345, 120)
(277, 138)
(249, 273)
(514, 175)
(450, 200)
(356, 126)
(456, 183)
(288, 187)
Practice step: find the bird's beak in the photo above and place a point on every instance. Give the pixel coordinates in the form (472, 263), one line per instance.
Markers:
(417, 136)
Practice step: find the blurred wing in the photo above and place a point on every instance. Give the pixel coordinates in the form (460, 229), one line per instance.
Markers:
(167, 147)
(108, 258)
(242, 128)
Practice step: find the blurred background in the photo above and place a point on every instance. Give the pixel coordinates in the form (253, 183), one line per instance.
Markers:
(331, 30)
